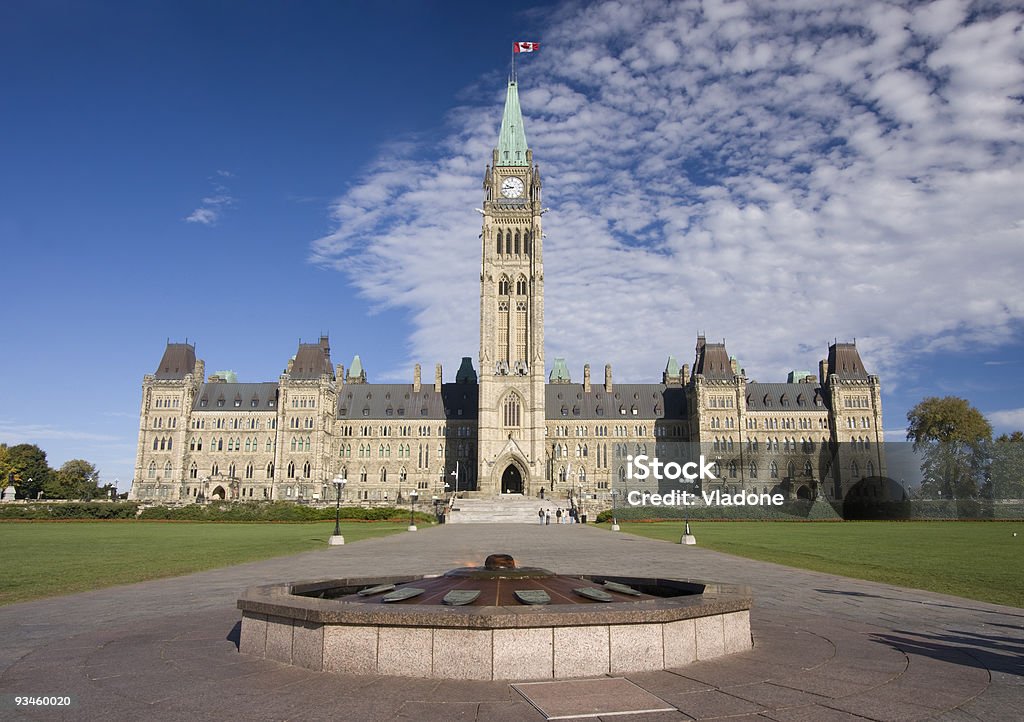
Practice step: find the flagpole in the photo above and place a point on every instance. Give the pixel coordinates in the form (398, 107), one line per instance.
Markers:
(513, 63)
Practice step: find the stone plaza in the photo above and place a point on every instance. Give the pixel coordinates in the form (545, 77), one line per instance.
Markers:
(824, 647)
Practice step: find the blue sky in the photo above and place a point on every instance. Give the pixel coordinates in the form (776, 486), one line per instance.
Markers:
(249, 174)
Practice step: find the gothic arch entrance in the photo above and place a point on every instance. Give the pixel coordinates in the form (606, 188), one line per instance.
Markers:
(218, 493)
(511, 480)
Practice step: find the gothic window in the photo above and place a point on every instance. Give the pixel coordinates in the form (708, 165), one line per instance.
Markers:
(152, 470)
(193, 471)
(402, 475)
(773, 470)
(753, 470)
(294, 444)
(871, 469)
(517, 243)
(156, 444)
(854, 469)
(248, 470)
(362, 475)
(732, 469)
(526, 242)
(231, 470)
(499, 242)
(511, 411)
(503, 330)
(383, 475)
(521, 286)
(807, 468)
(270, 470)
(291, 469)
(220, 444)
(504, 286)
(306, 470)
(521, 331)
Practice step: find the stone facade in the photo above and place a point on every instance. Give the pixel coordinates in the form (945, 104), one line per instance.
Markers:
(509, 430)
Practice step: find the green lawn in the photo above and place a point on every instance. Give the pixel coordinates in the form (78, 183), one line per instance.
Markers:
(979, 560)
(43, 559)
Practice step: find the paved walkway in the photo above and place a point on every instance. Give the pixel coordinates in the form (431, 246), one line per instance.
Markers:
(826, 647)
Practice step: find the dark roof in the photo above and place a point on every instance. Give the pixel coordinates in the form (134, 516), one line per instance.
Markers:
(313, 360)
(398, 401)
(712, 361)
(650, 401)
(237, 397)
(781, 397)
(844, 361)
(179, 359)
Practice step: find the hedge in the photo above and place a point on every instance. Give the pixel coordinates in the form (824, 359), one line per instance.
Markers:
(275, 511)
(71, 510)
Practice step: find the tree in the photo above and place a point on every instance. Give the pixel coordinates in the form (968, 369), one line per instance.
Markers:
(5, 468)
(31, 472)
(1006, 475)
(953, 437)
(76, 479)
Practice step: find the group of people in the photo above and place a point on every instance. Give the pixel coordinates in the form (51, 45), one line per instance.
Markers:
(569, 516)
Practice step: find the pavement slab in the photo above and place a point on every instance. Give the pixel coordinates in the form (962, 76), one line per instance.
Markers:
(825, 647)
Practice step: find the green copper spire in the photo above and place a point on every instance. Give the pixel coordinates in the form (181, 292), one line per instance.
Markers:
(512, 140)
(560, 373)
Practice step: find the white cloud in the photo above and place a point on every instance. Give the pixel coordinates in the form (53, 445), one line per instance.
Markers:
(1006, 420)
(13, 433)
(211, 208)
(788, 175)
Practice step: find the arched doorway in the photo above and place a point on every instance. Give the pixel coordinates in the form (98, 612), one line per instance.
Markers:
(804, 492)
(218, 493)
(512, 480)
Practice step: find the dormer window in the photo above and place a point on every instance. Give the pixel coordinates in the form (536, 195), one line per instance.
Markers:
(203, 402)
(220, 403)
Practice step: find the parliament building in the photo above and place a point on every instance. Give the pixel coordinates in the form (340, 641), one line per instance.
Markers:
(501, 427)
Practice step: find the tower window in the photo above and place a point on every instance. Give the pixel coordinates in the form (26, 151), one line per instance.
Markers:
(511, 411)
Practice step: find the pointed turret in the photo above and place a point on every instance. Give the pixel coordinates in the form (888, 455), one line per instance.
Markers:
(356, 374)
(512, 139)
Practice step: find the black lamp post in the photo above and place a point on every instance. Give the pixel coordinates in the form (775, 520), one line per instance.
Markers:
(339, 485)
(413, 496)
(615, 521)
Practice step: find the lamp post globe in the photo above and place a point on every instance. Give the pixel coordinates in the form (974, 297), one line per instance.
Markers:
(413, 496)
(339, 485)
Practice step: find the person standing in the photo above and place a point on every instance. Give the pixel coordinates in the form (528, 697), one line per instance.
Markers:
(558, 515)
(540, 514)
(547, 517)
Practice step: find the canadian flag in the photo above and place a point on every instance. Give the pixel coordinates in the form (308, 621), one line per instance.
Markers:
(525, 47)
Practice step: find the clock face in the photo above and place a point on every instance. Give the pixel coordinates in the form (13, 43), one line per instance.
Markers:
(512, 187)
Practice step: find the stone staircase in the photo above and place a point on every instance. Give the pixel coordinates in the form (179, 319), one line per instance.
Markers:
(504, 509)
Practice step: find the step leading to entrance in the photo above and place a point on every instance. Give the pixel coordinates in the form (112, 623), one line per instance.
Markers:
(507, 508)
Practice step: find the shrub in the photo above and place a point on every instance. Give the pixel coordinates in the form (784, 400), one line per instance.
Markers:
(273, 511)
(70, 510)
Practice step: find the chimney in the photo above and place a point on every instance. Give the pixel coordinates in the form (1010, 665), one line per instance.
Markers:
(608, 378)
(340, 372)
(686, 374)
(416, 379)
(437, 378)
(586, 378)
(734, 365)
(823, 371)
